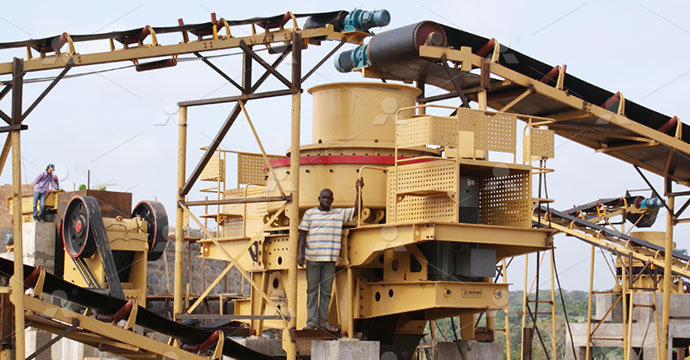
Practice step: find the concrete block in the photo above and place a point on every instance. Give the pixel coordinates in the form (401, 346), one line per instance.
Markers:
(344, 349)
(39, 239)
(603, 303)
(680, 305)
(471, 350)
(39, 244)
(70, 349)
(34, 339)
(273, 347)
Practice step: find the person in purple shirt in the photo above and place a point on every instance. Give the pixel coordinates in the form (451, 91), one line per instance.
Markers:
(42, 185)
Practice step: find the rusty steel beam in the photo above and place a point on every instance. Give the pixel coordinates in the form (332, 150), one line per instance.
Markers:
(243, 97)
(458, 88)
(653, 190)
(46, 346)
(265, 75)
(237, 201)
(426, 100)
(5, 90)
(5, 117)
(266, 65)
(45, 92)
(220, 72)
(4, 129)
(220, 135)
(246, 79)
(323, 60)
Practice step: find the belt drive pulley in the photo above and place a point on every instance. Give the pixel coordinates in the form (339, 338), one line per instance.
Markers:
(154, 214)
(83, 233)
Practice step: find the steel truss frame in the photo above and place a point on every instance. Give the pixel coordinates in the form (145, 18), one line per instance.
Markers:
(299, 38)
(466, 60)
(289, 196)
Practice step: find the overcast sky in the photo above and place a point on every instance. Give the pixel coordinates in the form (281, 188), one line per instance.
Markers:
(122, 124)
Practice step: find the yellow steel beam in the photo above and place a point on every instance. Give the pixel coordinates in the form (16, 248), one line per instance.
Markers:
(469, 60)
(293, 205)
(144, 52)
(388, 298)
(17, 280)
(79, 335)
(107, 330)
(233, 260)
(179, 212)
(366, 241)
(627, 147)
(668, 260)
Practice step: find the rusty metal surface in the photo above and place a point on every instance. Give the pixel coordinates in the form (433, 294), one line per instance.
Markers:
(112, 203)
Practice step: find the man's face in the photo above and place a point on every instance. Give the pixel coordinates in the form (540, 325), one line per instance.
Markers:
(325, 199)
(49, 171)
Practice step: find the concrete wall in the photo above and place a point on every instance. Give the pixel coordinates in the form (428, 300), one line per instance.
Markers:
(471, 350)
(344, 349)
(643, 328)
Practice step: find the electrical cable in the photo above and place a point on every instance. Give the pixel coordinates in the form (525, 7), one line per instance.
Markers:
(455, 335)
(565, 312)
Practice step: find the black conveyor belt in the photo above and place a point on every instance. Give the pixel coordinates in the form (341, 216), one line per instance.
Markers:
(514, 60)
(391, 54)
(108, 305)
(612, 233)
(314, 20)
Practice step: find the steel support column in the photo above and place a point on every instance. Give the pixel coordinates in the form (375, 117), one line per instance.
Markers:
(668, 274)
(589, 304)
(293, 207)
(18, 277)
(506, 327)
(179, 223)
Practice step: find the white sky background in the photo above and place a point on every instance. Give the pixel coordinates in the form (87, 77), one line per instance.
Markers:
(122, 125)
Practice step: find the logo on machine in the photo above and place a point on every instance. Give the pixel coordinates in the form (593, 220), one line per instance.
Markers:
(471, 293)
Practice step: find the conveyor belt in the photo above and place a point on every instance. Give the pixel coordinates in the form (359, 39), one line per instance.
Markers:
(610, 232)
(315, 20)
(108, 305)
(395, 59)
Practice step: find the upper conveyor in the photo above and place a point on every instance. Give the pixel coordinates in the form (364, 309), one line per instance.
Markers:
(584, 113)
(55, 52)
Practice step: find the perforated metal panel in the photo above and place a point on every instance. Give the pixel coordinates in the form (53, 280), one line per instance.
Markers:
(505, 200)
(492, 131)
(214, 169)
(427, 130)
(251, 219)
(438, 207)
(427, 178)
(538, 144)
(233, 227)
(250, 168)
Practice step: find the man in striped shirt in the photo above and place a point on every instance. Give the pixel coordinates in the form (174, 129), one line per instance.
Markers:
(320, 236)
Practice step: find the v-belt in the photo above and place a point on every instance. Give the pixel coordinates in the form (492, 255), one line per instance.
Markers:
(101, 239)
